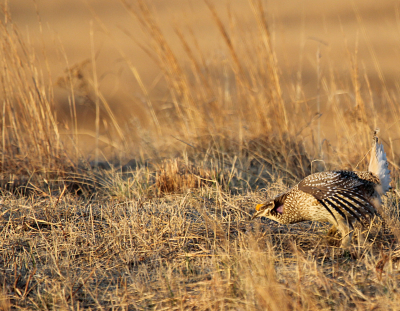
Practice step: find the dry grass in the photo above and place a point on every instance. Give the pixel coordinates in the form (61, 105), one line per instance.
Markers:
(195, 250)
(171, 229)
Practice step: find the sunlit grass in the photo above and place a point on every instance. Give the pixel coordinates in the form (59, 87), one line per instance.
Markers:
(171, 229)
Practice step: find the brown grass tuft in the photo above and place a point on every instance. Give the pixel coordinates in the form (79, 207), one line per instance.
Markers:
(175, 176)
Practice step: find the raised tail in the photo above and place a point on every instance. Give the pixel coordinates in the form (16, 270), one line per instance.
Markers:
(378, 164)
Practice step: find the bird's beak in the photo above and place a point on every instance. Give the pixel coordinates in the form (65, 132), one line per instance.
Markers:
(258, 207)
(258, 211)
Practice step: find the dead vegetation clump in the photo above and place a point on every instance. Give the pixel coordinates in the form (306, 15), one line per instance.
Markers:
(286, 155)
(174, 176)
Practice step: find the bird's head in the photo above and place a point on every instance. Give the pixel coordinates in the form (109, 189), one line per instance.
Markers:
(270, 209)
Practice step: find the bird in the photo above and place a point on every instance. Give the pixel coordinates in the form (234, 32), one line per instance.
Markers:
(340, 197)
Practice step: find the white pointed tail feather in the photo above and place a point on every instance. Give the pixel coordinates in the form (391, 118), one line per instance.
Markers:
(378, 165)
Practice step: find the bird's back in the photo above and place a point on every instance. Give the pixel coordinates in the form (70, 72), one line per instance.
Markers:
(330, 195)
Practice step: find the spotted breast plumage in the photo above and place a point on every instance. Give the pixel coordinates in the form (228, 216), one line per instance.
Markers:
(339, 197)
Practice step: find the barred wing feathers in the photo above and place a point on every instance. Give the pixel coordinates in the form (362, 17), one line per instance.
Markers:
(340, 191)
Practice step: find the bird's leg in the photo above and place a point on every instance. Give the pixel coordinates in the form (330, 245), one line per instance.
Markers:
(360, 235)
(346, 233)
(332, 231)
(333, 236)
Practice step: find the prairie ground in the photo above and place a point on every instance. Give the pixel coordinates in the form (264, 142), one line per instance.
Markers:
(196, 249)
(137, 137)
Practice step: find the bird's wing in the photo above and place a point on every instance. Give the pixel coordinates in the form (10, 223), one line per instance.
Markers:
(340, 191)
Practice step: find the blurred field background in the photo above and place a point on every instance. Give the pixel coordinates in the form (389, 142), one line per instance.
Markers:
(357, 42)
(137, 136)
